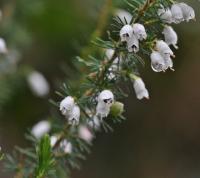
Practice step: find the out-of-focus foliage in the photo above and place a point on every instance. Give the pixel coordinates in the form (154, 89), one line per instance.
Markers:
(41, 35)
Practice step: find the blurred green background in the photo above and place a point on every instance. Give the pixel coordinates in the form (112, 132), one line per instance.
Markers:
(160, 139)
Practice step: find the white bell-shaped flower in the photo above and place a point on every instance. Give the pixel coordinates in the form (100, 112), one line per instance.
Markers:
(126, 33)
(140, 89)
(40, 129)
(188, 12)
(165, 15)
(177, 14)
(139, 31)
(123, 14)
(164, 49)
(157, 62)
(171, 37)
(85, 134)
(105, 101)
(106, 97)
(3, 48)
(102, 110)
(38, 84)
(74, 116)
(66, 106)
(169, 63)
(133, 44)
(66, 146)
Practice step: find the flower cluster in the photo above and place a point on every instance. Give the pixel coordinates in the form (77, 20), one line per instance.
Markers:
(132, 34)
(161, 55)
(70, 110)
(133, 37)
(177, 14)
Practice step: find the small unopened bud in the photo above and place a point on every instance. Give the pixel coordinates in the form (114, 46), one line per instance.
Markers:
(117, 109)
(85, 134)
(53, 140)
(66, 146)
(38, 84)
(40, 129)
(3, 48)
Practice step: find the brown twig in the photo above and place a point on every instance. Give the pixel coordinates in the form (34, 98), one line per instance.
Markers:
(143, 9)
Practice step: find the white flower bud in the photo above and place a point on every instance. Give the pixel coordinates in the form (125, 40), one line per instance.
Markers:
(105, 101)
(109, 53)
(164, 49)
(3, 48)
(94, 123)
(165, 15)
(170, 35)
(133, 44)
(40, 129)
(188, 12)
(157, 62)
(66, 106)
(116, 65)
(66, 146)
(53, 140)
(139, 31)
(38, 84)
(111, 75)
(117, 109)
(123, 14)
(85, 134)
(126, 32)
(74, 116)
(177, 14)
(140, 89)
